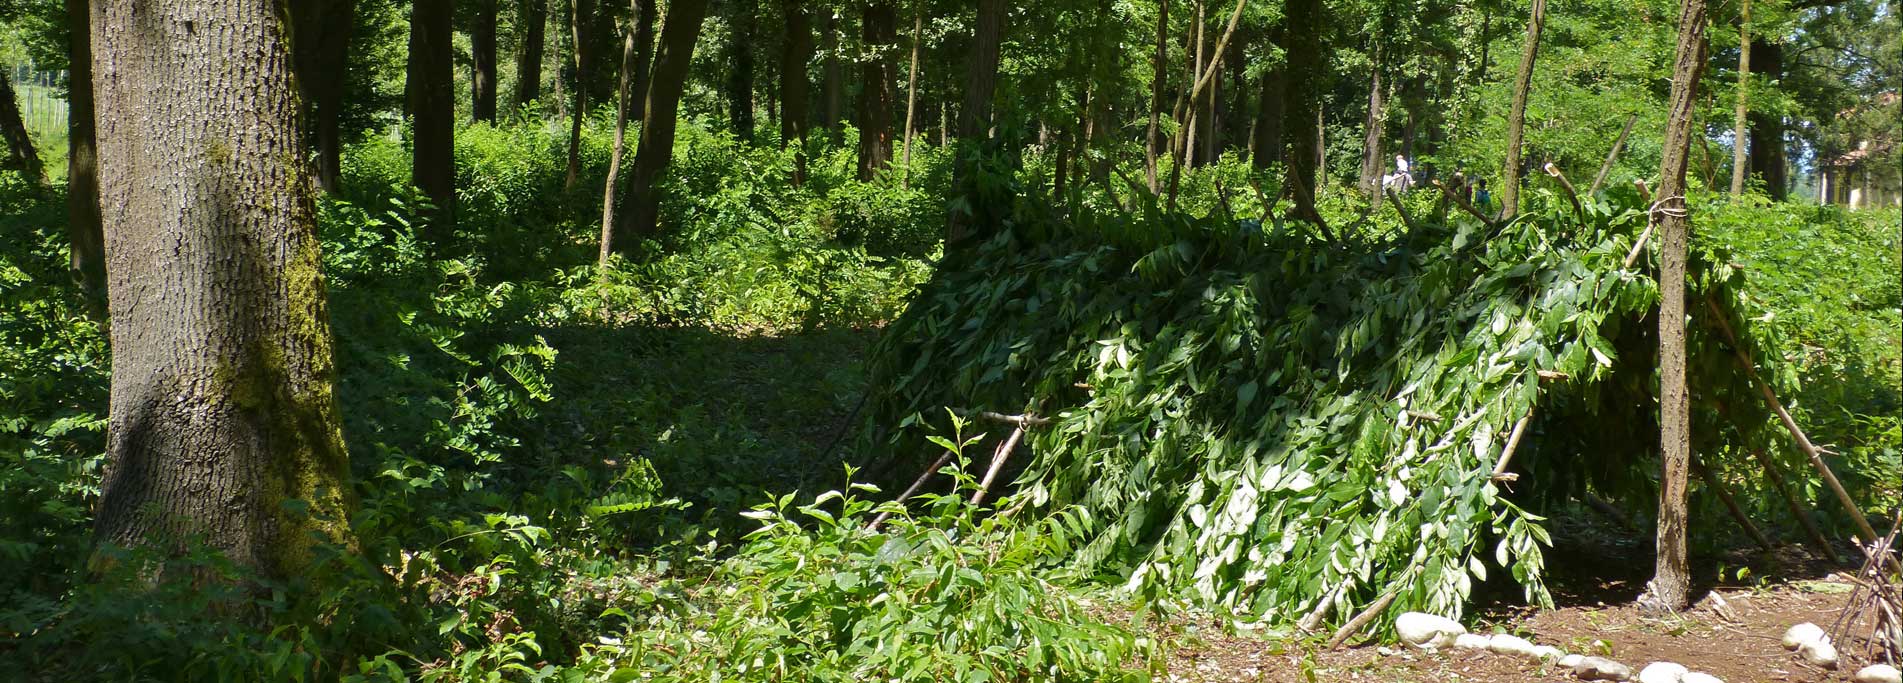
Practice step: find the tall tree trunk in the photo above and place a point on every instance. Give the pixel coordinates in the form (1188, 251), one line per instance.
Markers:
(433, 109)
(1671, 583)
(1267, 137)
(578, 18)
(1304, 81)
(644, 18)
(798, 51)
(911, 95)
(21, 154)
(320, 51)
(665, 82)
(1516, 116)
(1739, 132)
(608, 195)
(1767, 152)
(974, 118)
(875, 89)
(222, 410)
(533, 23)
(833, 77)
(740, 78)
(1372, 162)
(87, 238)
(1160, 63)
(482, 49)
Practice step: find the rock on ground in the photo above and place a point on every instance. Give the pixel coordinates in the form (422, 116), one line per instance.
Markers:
(1471, 641)
(1662, 672)
(1505, 644)
(1879, 673)
(1819, 652)
(1700, 677)
(1601, 669)
(1797, 635)
(1427, 630)
(1571, 661)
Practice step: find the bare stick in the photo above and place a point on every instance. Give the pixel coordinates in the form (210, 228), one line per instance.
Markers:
(1462, 203)
(1398, 208)
(1315, 616)
(1566, 185)
(1020, 421)
(1731, 505)
(997, 463)
(1605, 169)
(1817, 537)
(1361, 620)
(1638, 246)
(922, 478)
(1513, 443)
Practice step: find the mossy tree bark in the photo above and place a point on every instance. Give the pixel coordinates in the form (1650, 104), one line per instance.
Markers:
(796, 51)
(1516, 114)
(532, 21)
(432, 106)
(1671, 581)
(87, 239)
(655, 150)
(222, 410)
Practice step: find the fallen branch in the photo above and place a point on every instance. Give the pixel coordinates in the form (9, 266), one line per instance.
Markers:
(1399, 209)
(1816, 535)
(1566, 185)
(1731, 504)
(916, 484)
(1462, 203)
(997, 463)
(1361, 620)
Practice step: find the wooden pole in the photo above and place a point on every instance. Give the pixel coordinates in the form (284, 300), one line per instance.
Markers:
(1605, 169)
(1361, 620)
(997, 464)
(1731, 504)
(1797, 509)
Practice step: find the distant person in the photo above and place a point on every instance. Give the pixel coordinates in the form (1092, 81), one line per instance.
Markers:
(1483, 200)
(1401, 180)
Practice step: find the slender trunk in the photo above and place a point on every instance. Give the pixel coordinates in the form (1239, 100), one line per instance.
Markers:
(1516, 116)
(740, 78)
(533, 18)
(1767, 153)
(911, 95)
(1739, 131)
(1267, 137)
(974, 119)
(1671, 583)
(1160, 63)
(1372, 157)
(222, 411)
(644, 18)
(578, 13)
(875, 89)
(608, 194)
(833, 77)
(320, 51)
(665, 82)
(1612, 156)
(21, 154)
(1304, 81)
(87, 238)
(794, 85)
(433, 109)
(944, 123)
(482, 51)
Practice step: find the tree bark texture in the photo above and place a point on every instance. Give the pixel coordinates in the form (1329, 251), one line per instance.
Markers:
(20, 152)
(579, 12)
(1516, 115)
(794, 86)
(1768, 158)
(533, 18)
(433, 108)
(222, 408)
(482, 51)
(87, 239)
(320, 50)
(1671, 581)
(1372, 161)
(665, 83)
(1301, 100)
(1266, 140)
(877, 26)
(740, 75)
(832, 77)
(974, 118)
(1739, 130)
(1153, 141)
(911, 95)
(608, 194)
(645, 12)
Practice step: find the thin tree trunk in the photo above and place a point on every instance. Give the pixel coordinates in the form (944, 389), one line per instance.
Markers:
(740, 78)
(482, 51)
(533, 18)
(321, 48)
(1739, 162)
(875, 89)
(433, 109)
(666, 81)
(578, 15)
(1612, 156)
(1301, 101)
(645, 12)
(222, 409)
(1372, 162)
(974, 119)
(1516, 116)
(911, 95)
(1160, 62)
(87, 239)
(21, 154)
(608, 194)
(1671, 582)
(832, 77)
(944, 124)
(1267, 137)
(798, 50)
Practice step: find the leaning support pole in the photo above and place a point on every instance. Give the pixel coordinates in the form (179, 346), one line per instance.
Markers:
(1717, 486)
(1816, 455)
(1797, 510)
(1605, 169)
(1567, 185)
(997, 464)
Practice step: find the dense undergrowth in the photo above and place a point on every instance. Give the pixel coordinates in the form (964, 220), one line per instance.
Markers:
(572, 473)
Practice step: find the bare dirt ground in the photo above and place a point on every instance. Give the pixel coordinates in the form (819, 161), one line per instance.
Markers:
(1594, 577)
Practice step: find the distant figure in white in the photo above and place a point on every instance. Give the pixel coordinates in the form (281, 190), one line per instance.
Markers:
(1400, 180)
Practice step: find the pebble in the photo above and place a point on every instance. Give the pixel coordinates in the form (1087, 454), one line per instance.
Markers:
(1800, 634)
(1819, 652)
(1548, 653)
(1427, 630)
(1471, 641)
(1601, 669)
(1571, 661)
(1879, 673)
(1700, 677)
(1662, 672)
(1510, 645)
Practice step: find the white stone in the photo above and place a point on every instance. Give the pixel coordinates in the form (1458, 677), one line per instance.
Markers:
(1819, 652)
(1601, 669)
(1662, 672)
(1427, 630)
(1571, 661)
(1700, 677)
(1505, 644)
(1548, 653)
(1879, 673)
(1800, 634)
(1471, 641)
